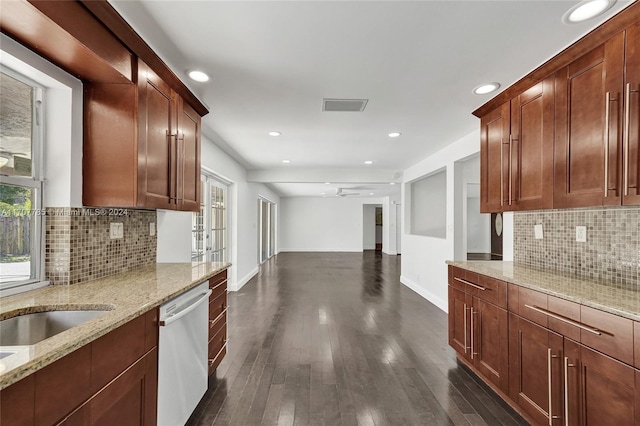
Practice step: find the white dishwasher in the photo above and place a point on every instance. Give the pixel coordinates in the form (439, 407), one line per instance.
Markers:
(182, 355)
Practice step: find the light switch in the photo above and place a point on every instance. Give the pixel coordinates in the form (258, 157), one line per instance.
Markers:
(116, 230)
(152, 228)
(581, 234)
(537, 231)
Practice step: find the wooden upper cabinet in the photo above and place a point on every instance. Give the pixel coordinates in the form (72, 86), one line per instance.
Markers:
(588, 128)
(516, 152)
(157, 113)
(141, 146)
(531, 140)
(188, 146)
(631, 131)
(494, 157)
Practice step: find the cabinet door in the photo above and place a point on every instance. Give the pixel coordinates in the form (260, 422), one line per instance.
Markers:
(535, 380)
(532, 147)
(188, 184)
(129, 400)
(587, 145)
(157, 141)
(494, 160)
(610, 391)
(489, 344)
(459, 319)
(632, 117)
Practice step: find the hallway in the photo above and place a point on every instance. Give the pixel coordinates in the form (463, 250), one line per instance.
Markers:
(334, 338)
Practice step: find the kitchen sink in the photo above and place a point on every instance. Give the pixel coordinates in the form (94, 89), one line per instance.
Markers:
(29, 329)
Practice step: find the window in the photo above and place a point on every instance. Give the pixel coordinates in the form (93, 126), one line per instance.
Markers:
(20, 180)
(429, 205)
(209, 225)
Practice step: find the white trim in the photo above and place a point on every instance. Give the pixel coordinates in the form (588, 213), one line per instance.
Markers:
(426, 294)
(320, 250)
(240, 283)
(390, 253)
(10, 291)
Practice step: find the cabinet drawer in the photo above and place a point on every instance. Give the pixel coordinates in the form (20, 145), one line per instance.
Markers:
(218, 289)
(217, 343)
(216, 324)
(217, 306)
(217, 279)
(460, 278)
(615, 336)
(215, 362)
(495, 291)
(528, 302)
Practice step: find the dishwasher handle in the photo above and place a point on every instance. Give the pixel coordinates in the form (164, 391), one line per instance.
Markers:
(186, 310)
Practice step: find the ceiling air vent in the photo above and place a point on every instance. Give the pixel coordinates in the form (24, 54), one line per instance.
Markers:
(344, 105)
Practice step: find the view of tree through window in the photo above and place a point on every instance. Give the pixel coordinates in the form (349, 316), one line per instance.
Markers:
(18, 188)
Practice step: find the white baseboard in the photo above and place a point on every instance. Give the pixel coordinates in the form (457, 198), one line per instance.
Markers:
(390, 253)
(438, 301)
(238, 285)
(320, 250)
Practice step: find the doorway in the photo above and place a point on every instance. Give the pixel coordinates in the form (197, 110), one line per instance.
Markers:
(372, 227)
(266, 229)
(484, 230)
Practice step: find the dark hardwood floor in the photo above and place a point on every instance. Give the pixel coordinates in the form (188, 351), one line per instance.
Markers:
(335, 339)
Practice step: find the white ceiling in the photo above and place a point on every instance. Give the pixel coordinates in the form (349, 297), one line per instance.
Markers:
(272, 62)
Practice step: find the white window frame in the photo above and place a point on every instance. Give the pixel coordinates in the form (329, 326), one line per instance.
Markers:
(35, 182)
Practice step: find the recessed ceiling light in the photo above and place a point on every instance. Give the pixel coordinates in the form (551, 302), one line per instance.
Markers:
(327, 183)
(368, 162)
(586, 9)
(323, 193)
(394, 134)
(286, 161)
(483, 89)
(198, 76)
(392, 183)
(371, 193)
(274, 133)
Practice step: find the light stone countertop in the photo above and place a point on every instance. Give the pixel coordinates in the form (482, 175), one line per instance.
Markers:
(126, 295)
(607, 297)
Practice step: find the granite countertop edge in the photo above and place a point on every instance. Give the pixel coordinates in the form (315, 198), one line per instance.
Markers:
(124, 304)
(604, 296)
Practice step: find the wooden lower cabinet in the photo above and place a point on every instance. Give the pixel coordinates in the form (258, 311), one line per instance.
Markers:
(478, 331)
(552, 376)
(111, 381)
(217, 320)
(129, 400)
(534, 367)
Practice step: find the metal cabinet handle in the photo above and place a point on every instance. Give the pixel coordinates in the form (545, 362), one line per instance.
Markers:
(471, 284)
(607, 118)
(565, 319)
(473, 338)
(509, 168)
(549, 377)
(627, 118)
(465, 328)
(566, 389)
(501, 172)
(472, 351)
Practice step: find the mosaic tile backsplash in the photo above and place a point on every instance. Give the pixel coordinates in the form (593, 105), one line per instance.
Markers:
(611, 253)
(78, 246)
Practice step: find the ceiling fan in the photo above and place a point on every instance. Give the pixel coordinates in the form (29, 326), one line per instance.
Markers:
(340, 193)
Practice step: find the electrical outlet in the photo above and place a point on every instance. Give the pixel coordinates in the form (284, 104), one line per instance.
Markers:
(581, 234)
(116, 230)
(537, 231)
(152, 229)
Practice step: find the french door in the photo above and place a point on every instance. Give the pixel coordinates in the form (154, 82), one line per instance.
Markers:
(209, 225)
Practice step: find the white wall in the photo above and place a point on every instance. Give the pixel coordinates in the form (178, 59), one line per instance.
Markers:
(323, 224)
(423, 258)
(369, 227)
(429, 205)
(174, 228)
(389, 225)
